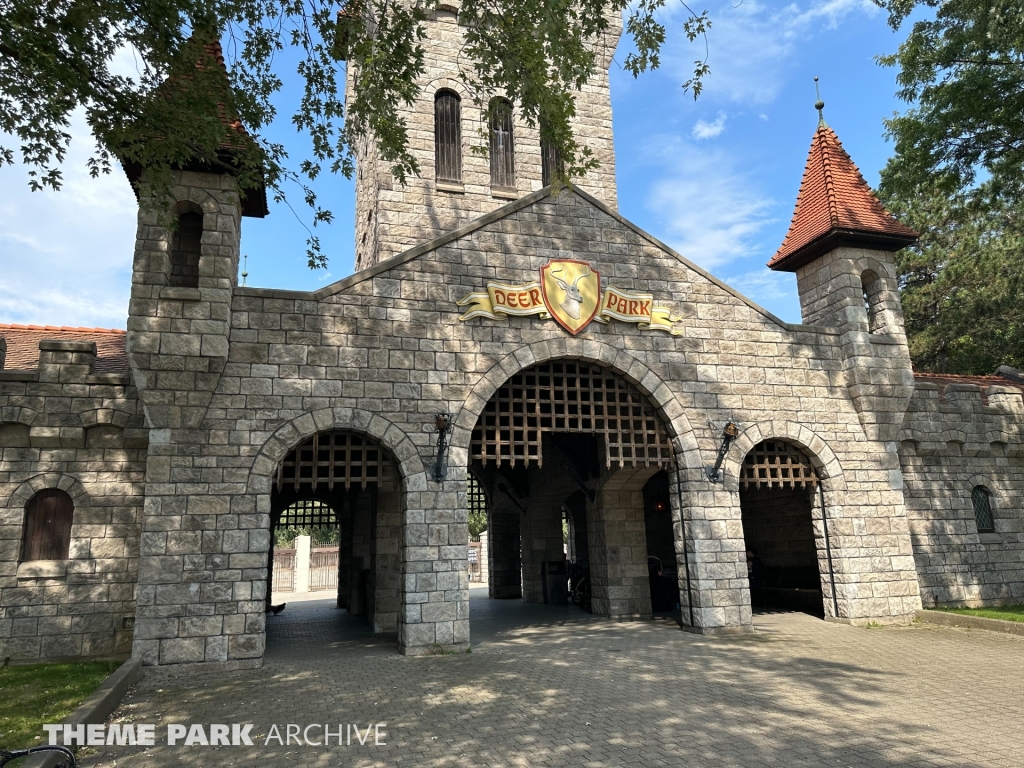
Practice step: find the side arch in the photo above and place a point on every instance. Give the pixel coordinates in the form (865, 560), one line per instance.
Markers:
(290, 434)
(18, 414)
(825, 462)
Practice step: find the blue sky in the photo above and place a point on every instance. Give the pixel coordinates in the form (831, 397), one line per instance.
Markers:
(716, 179)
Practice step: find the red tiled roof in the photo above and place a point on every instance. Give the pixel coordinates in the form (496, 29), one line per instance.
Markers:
(834, 207)
(944, 379)
(254, 201)
(23, 345)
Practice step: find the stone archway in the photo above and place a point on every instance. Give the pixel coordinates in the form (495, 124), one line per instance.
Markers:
(432, 613)
(795, 554)
(551, 430)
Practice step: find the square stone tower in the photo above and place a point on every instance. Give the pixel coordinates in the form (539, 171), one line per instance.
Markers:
(840, 244)
(457, 184)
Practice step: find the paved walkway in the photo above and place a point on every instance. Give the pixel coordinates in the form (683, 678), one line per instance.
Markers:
(549, 686)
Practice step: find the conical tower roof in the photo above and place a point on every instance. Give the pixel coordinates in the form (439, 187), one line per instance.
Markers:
(836, 207)
(253, 200)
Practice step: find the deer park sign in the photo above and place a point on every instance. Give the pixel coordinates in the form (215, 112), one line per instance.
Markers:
(569, 291)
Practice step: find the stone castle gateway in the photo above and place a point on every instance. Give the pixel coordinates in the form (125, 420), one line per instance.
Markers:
(142, 472)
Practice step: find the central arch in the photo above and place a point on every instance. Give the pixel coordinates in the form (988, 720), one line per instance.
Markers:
(564, 439)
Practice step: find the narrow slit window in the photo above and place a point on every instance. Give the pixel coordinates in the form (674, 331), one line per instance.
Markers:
(982, 501)
(448, 136)
(186, 248)
(503, 171)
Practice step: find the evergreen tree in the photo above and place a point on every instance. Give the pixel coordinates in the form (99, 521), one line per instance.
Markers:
(962, 283)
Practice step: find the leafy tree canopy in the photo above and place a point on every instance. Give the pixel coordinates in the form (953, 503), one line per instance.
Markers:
(957, 176)
(962, 68)
(178, 108)
(962, 283)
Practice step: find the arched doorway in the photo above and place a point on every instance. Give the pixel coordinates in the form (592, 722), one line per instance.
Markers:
(565, 449)
(335, 516)
(788, 551)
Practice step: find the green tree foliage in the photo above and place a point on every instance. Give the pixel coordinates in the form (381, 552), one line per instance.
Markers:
(58, 56)
(957, 176)
(962, 69)
(320, 536)
(962, 284)
(477, 522)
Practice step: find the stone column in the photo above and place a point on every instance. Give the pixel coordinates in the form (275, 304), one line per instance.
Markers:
(360, 545)
(485, 564)
(504, 580)
(618, 546)
(709, 542)
(302, 555)
(435, 601)
(542, 535)
(387, 560)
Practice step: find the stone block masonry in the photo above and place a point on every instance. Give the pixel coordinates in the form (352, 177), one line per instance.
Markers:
(65, 426)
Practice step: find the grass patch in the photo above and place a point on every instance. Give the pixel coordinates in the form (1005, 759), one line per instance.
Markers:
(1004, 612)
(35, 694)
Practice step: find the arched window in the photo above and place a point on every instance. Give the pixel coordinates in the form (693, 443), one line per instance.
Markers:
(186, 247)
(981, 499)
(871, 284)
(48, 526)
(448, 136)
(503, 169)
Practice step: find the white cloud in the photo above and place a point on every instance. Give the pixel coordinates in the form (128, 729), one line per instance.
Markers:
(711, 210)
(705, 130)
(751, 44)
(66, 257)
(764, 286)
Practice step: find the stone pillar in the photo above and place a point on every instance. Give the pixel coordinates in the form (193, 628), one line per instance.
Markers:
(484, 558)
(505, 577)
(302, 555)
(542, 533)
(360, 547)
(387, 560)
(710, 548)
(617, 541)
(435, 601)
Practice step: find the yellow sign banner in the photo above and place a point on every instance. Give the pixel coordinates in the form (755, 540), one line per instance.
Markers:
(639, 308)
(502, 300)
(574, 299)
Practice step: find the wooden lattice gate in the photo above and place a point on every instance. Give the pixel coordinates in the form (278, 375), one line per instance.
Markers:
(570, 396)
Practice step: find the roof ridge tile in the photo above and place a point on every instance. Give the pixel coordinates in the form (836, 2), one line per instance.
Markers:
(835, 206)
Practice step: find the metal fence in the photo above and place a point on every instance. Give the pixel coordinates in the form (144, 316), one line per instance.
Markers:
(323, 568)
(284, 570)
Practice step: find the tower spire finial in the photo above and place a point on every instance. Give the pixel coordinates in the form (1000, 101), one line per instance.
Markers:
(819, 105)
(245, 269)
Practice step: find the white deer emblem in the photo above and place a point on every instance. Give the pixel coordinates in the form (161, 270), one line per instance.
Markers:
(573, 297)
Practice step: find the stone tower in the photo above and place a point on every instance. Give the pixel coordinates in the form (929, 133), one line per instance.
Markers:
(391, 218)
(840, 244)
(179, 320)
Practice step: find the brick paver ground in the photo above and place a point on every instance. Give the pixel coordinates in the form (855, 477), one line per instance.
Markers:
(545, 686)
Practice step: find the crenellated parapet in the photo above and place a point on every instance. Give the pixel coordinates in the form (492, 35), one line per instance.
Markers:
(70, 423)
(962, 457)
(963, 418)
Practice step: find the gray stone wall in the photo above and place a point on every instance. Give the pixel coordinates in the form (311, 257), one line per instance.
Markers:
(391, 218)
(64, 426)
(952, 440)
(382, 351)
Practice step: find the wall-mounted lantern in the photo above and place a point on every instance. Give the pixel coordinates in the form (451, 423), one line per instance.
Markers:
(443, 426)
(729, 433)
